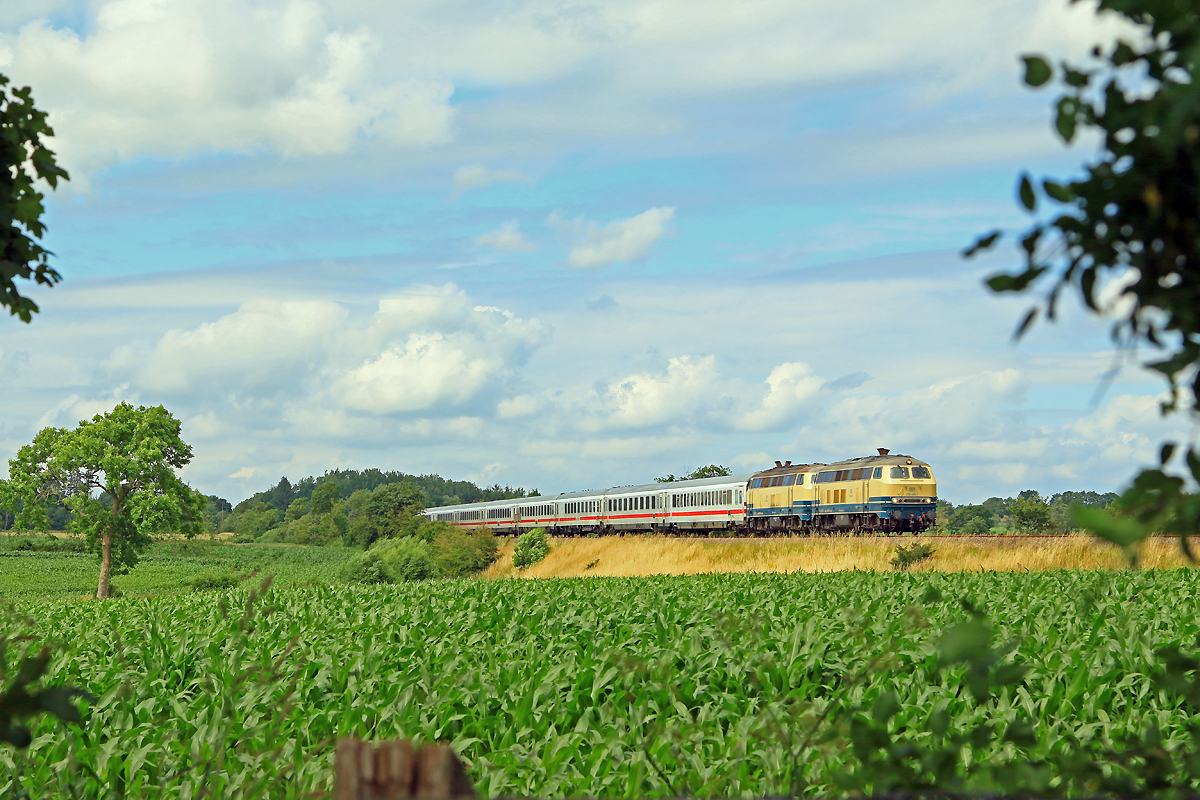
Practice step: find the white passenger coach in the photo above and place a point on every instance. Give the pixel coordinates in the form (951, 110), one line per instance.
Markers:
(708, 503)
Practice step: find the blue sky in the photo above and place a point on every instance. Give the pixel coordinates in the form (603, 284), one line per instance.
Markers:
(558, 244)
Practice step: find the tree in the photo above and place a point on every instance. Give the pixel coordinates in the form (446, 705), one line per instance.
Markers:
(1031, 512)
(711, 471)
(116, 473)
(1131, 223)
(24, 158)
(392, 507)
(324, 496)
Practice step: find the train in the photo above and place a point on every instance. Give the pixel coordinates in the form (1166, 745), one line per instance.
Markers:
(883, 493)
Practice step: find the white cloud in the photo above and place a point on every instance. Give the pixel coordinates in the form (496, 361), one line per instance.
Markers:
(789, 387)
(263, 347)
(508, 237)
(426, 372)
(523, 405)
(472, 176)
(175, 77)
(669, 397)
(621, 240)
(423, 350)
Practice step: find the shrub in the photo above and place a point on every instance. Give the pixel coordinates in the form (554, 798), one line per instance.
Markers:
(406, 559)
(209, 581)
(459, 553)
(532, 547)
(364, 568)
(48, 544)
(912, 554)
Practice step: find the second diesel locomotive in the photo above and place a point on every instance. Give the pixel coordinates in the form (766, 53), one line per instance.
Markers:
(883, 493)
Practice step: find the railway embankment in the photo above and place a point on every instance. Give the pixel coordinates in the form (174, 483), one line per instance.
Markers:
(657, 555)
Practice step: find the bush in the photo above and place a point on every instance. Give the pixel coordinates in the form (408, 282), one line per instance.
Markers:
(407, 559)
(532, 547)
(460, 553)
(364, 568)
(912, 554)
(209, 581)
(48, 544)
(391, 561)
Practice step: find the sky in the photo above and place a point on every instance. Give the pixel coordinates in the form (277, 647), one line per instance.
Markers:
(561, 245)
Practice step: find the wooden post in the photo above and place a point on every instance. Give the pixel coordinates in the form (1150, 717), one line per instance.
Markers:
(395, 771)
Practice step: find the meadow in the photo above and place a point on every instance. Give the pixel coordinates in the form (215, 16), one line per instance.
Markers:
(709, 685)
(166, 567)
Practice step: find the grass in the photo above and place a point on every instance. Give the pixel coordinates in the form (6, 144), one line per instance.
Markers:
(166, 567)
(631, 556)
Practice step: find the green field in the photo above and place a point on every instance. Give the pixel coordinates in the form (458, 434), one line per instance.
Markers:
(165, 568)
(707, 686)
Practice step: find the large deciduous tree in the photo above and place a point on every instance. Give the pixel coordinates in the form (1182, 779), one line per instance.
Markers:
(117, 474)
(1128, 228)
(24, 158)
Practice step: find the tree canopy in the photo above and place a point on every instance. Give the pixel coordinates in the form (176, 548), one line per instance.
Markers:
(1128, 229)
(116, 473)
(24, 158)
(710, 471)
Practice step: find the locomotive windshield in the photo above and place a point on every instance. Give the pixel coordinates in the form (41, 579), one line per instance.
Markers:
(921, 472)
(899, 472)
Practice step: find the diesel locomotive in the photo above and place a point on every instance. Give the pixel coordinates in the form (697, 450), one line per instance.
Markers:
(883, 493)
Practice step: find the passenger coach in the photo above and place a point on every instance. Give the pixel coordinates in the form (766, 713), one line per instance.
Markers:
(708, 503)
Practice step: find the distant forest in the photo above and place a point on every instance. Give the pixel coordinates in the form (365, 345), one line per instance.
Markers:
(267, 510)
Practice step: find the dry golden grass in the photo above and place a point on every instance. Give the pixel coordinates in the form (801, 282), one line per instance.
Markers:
(656, 555)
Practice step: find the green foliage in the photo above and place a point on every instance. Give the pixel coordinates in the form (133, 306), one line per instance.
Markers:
(24, 158)
(908, 555)
(216, 509)
(364, 568)
(407, 559)
(251, 523)
(1031, 514)
(324, 496)
(710, 471)
(532, 546)
(209, 581)
(460, 553)
(1132, 221)
(702, 686)
(390, 511)
(298, 509)
(116, 473)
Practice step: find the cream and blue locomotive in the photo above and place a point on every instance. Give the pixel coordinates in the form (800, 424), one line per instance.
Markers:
(883, 493)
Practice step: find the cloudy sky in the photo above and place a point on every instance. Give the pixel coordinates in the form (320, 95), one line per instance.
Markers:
(558, 244)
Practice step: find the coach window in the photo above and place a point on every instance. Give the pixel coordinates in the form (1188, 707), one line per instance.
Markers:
(899, 472)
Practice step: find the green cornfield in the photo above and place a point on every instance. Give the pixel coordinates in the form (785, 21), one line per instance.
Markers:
(735, 686)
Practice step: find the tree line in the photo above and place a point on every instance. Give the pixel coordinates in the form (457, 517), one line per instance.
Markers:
(1028, 512)
(349, 506)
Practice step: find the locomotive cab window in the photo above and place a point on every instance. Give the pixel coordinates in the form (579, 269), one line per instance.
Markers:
(921, 472)
(899, 472)
(878, 473)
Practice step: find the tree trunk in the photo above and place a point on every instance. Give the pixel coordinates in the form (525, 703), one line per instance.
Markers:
(106, 543)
